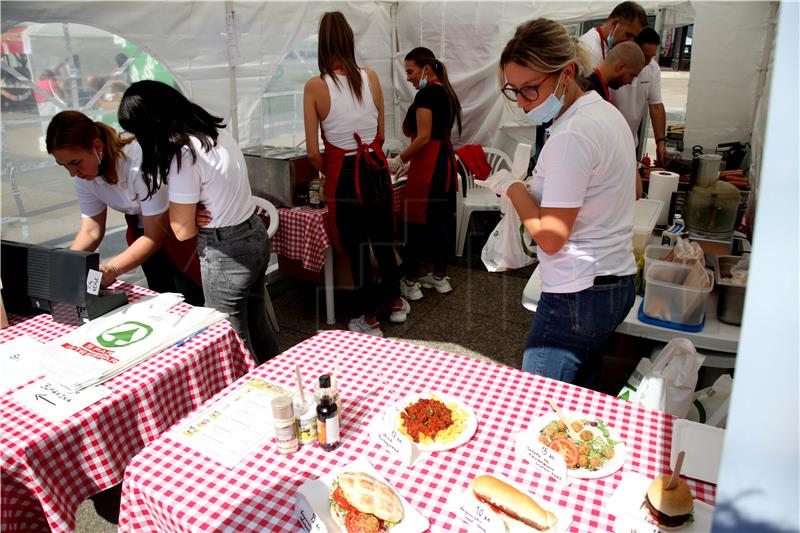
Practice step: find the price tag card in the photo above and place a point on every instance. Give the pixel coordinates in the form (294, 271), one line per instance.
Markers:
(309, 520)
(56, 402)
(630, 524)
(542, 457)
(393, 442)
(475, 515)
(93, 279)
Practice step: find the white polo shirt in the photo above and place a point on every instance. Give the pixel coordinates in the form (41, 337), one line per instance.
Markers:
(588, 162)
(633, 100)
(218, 179)
(592, 41)
(128, 195)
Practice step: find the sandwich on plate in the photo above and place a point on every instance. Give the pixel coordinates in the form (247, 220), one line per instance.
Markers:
(362, 504)
(669, 508)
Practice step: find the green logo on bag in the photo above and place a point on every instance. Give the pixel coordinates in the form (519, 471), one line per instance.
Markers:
(124, 334)
(529, 250)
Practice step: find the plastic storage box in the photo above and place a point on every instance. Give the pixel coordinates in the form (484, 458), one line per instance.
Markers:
(667, 298)
(730, 302)
(653, 254)
(644, 222)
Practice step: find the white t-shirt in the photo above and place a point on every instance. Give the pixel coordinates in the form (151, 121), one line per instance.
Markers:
(588, 162)
(218, 179)
(592, 41)
(633, 100)
(128, 195)
(347, 115)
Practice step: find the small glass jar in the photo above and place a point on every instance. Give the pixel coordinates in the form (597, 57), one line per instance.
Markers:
(284, 421)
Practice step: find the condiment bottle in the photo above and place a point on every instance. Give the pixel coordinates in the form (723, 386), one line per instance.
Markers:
(315, 193)
(327, 416)
(306, 420)
(283, 419)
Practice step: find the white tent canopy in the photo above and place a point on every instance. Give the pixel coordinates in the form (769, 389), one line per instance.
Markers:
(223, 54)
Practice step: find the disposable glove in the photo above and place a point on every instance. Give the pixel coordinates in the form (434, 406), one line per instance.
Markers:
(499, 182)
(395, 164)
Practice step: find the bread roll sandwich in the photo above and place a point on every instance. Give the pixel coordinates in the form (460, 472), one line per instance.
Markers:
(513, 506)
(669, 508)
(362, 504)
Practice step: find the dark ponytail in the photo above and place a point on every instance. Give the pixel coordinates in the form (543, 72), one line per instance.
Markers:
(421, 57)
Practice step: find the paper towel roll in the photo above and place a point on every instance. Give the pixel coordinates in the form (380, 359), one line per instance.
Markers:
(662, 185)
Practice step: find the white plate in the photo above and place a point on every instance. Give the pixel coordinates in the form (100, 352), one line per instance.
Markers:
(391, 415)
(317, 494)
(620, 450)
(626, 505)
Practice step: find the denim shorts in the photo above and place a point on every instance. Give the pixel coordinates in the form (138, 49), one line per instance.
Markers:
(569, 329)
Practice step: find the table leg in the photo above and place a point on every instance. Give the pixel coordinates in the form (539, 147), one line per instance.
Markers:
(328, 272)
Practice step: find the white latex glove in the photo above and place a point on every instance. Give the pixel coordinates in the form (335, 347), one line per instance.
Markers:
(395, 164)
(499, 182)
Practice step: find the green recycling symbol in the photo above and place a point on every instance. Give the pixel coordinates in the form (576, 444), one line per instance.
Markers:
(124, 334)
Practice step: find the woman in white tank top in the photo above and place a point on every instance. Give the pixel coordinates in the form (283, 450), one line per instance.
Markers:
(347, 103)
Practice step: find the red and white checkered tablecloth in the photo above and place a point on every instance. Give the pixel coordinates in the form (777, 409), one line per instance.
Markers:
(302, 233)
(49, 469)
(169, 487)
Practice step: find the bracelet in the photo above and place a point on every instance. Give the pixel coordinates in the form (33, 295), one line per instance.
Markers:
(660, 140)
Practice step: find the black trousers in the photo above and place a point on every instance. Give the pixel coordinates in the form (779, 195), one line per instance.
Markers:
(365, 222)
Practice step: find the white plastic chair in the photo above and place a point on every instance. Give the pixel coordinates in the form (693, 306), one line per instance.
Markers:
(475, 198)
(272, 212)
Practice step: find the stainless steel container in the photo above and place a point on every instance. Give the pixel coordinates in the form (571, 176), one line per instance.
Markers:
(730, 302)
(279, 173)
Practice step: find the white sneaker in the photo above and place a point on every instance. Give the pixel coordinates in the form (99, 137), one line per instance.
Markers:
(360, 325)
(398, 316)
(442, 286)
(410, 291)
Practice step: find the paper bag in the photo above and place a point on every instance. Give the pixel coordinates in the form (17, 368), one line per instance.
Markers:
(509, 246)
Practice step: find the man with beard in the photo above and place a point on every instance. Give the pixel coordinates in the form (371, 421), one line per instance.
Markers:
(622, 64)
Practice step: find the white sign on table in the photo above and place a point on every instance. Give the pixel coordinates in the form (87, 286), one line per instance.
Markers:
(228, 430)
(93, 279)
(56, 402)
(542, 457)
(19, 362)
(395, 444)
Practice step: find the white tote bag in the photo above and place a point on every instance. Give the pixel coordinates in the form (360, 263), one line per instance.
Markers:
(509, 246)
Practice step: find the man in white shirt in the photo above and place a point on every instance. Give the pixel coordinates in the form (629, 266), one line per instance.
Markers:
(623, 24)
(645, 91)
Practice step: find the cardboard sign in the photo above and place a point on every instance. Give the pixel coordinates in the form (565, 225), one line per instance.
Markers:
(629, 524)
(395, 444)
(93, 279)
(475, 515)
(542, 457)
(20, 362)
(56, 402)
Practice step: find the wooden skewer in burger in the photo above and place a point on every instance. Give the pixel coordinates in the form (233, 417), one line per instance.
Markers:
(669, 499)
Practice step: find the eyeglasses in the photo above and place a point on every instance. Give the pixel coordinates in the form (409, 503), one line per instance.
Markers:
(529, 92)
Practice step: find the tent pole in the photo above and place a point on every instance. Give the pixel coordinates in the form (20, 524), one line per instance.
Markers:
(233, 58)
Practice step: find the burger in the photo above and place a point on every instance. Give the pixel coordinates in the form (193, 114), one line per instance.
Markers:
(362, 504)
(513, 506)
(669, 508)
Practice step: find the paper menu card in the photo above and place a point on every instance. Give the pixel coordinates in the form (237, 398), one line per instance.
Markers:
(231, 428)
(20, 362)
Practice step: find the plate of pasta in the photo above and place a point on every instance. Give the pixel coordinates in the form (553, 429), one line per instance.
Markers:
(592, 450)
(432, 421)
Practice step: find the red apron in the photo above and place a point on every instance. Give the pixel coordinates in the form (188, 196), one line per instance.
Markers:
(183, 254)
(370, 154)
(420, 176)
(602, 41)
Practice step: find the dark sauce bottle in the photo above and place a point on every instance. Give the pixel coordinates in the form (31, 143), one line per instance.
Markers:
(327, 416)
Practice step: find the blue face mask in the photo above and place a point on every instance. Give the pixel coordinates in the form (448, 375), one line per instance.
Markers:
(422, 81)
(547, 110)
(610, 39)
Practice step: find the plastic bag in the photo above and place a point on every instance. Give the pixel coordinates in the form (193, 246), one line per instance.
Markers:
(688, 252)
(739, 272)
(509, 246)
(668, 385)
(710, 406)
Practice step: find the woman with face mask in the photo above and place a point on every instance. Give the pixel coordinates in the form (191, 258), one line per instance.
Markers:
(107, 172)
(580, 208)
(431, 188)
(186, 147)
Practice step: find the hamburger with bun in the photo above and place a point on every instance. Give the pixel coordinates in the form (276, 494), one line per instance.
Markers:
(669, 507)
(513, 506)
(362, 504)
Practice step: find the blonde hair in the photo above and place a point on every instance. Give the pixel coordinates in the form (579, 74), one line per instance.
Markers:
(545, 46)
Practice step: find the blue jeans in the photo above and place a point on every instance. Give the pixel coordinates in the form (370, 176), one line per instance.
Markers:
(569, 329)
(233, 264)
